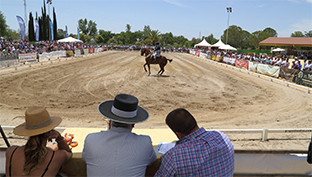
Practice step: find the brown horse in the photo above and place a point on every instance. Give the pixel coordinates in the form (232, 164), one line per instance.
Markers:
(162, 61)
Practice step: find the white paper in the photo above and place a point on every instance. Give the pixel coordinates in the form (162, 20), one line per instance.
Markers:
(163, 147)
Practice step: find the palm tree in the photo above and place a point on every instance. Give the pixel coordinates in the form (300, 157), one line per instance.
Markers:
(153, 36)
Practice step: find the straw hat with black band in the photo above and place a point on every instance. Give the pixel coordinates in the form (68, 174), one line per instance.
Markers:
(123, 109)
(37, 121)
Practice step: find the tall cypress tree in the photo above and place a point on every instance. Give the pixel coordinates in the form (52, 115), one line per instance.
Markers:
(31, 31)
(54, 25)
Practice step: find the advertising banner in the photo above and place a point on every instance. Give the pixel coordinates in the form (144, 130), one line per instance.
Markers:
(22, 26)
(253, 66)
(241, 63)
(268, 70)
(229, 60)
(304, 78)
(51, 31)
(66, 32)
(37, 30)
(27, 57)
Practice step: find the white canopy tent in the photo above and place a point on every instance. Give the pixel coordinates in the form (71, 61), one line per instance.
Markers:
(218, 44)
(69, 39)
(278, 50)
(203, 43)
(227, 47)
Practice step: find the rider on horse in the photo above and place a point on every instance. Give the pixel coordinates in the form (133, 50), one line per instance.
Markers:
(156, 51)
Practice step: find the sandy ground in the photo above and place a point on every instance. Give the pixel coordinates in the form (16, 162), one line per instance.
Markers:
(218, 97)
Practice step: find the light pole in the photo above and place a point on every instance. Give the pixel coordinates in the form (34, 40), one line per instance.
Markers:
(229, 10)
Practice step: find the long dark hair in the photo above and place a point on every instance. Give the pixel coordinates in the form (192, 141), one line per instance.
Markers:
(35, 152)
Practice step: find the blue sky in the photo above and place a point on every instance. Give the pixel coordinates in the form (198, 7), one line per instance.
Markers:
(190, 18)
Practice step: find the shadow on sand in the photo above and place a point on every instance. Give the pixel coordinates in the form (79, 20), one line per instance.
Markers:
(159, 76)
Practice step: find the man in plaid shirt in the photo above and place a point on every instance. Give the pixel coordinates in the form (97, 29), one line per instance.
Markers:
(198, 152)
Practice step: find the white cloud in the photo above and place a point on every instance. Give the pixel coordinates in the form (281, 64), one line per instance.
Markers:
(309, 1)
(174, 2)
(302, 25)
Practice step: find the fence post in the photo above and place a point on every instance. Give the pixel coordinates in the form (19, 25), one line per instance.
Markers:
(265, 134)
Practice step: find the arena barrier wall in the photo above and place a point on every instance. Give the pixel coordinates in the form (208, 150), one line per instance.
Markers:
(51, 55)
(247, 162)
(86, 51)
(268, 70)
(97, 50)
(8, 63)
(91, 50)
(203, 55)
(304, 78)
(29, 57)
(229, 60)
(241, 63)
(78, 52)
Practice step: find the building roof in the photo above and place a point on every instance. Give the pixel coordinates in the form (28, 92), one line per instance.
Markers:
(287, 41)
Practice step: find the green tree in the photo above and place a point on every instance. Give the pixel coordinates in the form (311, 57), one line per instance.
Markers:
(99, 39)
(54, 25)
(271, 32)
(167, 39)
(180, 41)
(60, 33)
(12, 35)
(211, 40)
(153, 37)
(237, 37)
(106, 35)
(92, 28)
(31, 30)
(146, 32)
(87, 28)
(3, 25)
(85, 38)
(83, 26)
(297, 34)
(308, 34)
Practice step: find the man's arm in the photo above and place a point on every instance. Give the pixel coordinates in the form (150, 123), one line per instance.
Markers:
(167, 167)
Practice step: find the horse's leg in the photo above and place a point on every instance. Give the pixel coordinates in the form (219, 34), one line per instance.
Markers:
(149, 69)
(145, 67)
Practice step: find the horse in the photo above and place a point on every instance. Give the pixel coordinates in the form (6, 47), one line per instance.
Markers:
(162, 61)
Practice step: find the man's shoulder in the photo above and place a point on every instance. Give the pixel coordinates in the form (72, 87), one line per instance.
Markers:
(94, 135)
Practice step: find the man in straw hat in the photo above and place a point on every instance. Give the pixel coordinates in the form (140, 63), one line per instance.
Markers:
(118, 151)
(35, 158)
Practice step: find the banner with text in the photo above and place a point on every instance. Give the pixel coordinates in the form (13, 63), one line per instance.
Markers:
(304, 78)
(27, 57)
(241, 63)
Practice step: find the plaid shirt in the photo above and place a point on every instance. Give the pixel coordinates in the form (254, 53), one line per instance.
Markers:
(201, 153)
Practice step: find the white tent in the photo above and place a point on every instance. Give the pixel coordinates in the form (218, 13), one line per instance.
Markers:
(227, 47)
(218, 44)
(69, 39)
(203, 43)
(278, 50)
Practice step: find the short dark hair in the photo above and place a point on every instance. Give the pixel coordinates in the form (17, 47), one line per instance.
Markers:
(180, 120)
(118, 124)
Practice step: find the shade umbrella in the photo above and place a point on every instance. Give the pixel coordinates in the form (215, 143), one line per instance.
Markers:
(278, 50)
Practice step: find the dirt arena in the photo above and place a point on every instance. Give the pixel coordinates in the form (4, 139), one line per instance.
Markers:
(218, 97)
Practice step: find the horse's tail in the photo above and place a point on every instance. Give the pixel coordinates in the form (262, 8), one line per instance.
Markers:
(170, 60)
